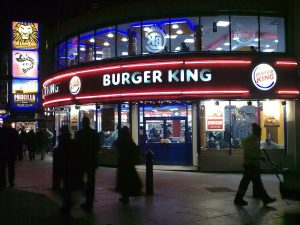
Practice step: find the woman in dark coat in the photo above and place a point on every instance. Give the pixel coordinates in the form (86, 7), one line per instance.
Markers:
(128, 181)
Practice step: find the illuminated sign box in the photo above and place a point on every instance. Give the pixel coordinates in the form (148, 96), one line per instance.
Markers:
(24, 92)
(25, 64)
(25, 35)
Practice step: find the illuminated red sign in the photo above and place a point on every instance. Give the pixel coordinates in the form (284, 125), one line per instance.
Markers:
(191, 78)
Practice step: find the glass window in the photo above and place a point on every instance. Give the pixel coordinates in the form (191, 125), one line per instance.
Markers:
(108, 123)
(129, 39)
(105, 43)
(241, 114)
(125, 115)
(155, 36)
(56, 58)
(62, 49)
(215, 33)
(272, 124)
(165, 111)
(72, 51)
(86, 47)
(214, 129)
(244, 33)
(182, 34)
(88, 111)
(272, 38)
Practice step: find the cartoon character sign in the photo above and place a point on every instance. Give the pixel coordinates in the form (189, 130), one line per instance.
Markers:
(25, 35)
(25, 64)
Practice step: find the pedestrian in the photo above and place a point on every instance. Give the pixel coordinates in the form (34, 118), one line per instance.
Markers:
(128, 181)
(31, 143)
(252, 157)
(10, 148)
(87, 142)
(42, 140)
(65, 152)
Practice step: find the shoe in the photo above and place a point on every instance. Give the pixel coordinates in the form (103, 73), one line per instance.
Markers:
(268, 201)
(86, 207)
(124, 199)
(240, 202)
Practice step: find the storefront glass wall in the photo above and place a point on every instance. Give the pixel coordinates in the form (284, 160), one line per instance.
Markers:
(166, 124)
(150, 33)
(129, 39)
(62, 56)
(86, 47)
(105, 43)
(215, 33)
(225, 123)
(72, 57)
(182, 33)
(207, 33)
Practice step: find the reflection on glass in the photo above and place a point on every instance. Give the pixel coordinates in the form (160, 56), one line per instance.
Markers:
(215, 33)
(272, 34)
(244, 33)
(72, 51)
(154, 131)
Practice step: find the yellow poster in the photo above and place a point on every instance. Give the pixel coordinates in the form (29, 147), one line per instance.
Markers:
(25, 35)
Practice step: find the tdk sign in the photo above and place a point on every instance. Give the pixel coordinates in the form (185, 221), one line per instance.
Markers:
(264, 77)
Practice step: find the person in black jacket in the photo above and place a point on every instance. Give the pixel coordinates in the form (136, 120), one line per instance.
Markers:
(87, 142)
(10, 148)
(66, 161)
(128, 181)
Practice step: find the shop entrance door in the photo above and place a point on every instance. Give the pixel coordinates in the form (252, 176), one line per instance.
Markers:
(168, 138)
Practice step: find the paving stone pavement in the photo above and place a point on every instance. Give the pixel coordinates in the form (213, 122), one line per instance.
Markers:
(180, 198)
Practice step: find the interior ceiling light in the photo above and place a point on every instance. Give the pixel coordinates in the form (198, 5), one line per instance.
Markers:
(82, 49)
(226, 43)
(92, 40)
(179, 32)
(267, 46)
(222, 23)
(147, 29)
(276, 41)
(124, 39)
(110, 35)
(256, 39)
(177, 49)
(219, 49)
(172, 36)
(268, 50)
(175, 26)
(106, 43)
(189, 40)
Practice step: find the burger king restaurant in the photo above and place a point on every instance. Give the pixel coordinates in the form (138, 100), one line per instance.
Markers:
(188, 109)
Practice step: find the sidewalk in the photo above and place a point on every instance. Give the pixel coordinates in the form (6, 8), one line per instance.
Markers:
(180, 198)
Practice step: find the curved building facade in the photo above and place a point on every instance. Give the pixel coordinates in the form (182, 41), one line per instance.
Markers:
(189, 81)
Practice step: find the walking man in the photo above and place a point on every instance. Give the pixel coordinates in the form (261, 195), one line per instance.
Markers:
(87, 140)
(252, 157)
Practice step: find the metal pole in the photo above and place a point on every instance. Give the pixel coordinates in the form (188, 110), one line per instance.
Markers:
(149, 172)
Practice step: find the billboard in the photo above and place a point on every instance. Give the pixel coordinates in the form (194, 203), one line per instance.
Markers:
(24, 92)
(24, 64)
(25, 35)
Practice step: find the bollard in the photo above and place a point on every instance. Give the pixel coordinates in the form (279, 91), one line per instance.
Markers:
(149, 172)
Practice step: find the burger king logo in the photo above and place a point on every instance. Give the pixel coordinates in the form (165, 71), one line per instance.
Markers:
(75, 85)
(264, 77)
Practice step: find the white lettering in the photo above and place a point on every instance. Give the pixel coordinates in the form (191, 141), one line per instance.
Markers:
(106, 80)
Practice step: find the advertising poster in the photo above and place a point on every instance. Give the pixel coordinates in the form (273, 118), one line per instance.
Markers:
(24, 92)
(25, 64)
(25, 35)
(214, 118)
